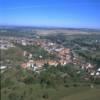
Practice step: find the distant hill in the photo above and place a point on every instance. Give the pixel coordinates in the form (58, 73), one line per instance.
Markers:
(24, 30)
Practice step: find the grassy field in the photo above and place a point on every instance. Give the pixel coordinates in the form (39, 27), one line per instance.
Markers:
(83, 94)
(35, 92)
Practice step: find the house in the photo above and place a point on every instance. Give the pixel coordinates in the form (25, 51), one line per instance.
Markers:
(2, 68)
(24, 65)
(24, 53)
(97, 73)
(30, 56)
(52, 63)
(89, 66)
(92, 73)
(23, 42)
(98, 69)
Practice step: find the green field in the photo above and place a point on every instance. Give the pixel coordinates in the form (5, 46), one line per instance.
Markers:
(35, 92)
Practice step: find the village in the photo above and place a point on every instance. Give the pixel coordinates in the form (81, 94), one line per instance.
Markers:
(63, 55)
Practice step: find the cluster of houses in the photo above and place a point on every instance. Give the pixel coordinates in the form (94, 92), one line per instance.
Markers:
(38, 64)
(86, 66)
(4, 44)
(63, 54)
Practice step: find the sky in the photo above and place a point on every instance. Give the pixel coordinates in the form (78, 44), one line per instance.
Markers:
(57, 13)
